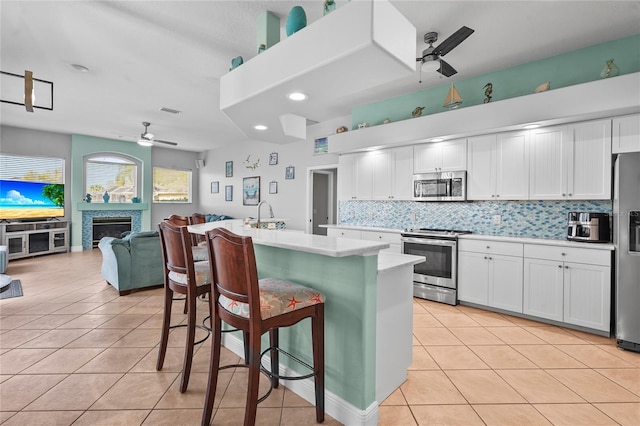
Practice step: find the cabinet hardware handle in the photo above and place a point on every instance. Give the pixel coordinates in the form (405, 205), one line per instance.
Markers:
(492, 195)
(559, 266)
(570, 194)
(488, 247)
(485, 257)
(564, 195)
(564, 254)
(497, 195)
(566, 267)
(491, 258)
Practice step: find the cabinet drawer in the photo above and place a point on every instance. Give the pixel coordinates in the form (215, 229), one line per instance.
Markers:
(568, 254)
(387, 237)
(491, 247)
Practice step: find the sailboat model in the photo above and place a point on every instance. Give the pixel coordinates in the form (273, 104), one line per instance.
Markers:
(453, 99)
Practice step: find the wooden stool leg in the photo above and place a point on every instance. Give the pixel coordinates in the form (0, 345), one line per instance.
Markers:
(214, 365)
(188, 349)
(254, 380)
(274, 342)
(166, 323)
(317, 333)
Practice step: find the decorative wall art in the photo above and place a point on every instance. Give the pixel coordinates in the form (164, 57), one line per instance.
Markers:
(251, 191)
(610, 69)
(215, 187)
(228, 169)
(273, 187)
(228, 193)
(273, 158)
(417, 112)
(321, 146)
(250, 164)
(290, 172)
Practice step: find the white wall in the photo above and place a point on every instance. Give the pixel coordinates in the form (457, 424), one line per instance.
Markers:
(291, 200)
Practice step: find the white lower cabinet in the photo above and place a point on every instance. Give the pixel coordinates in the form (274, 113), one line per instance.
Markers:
(570, 285)
(490, 273)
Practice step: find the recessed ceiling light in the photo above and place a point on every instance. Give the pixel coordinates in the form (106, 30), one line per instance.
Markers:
(260, 127)
(437, 139)
(78, 67)
(297, 96)
(532, 126)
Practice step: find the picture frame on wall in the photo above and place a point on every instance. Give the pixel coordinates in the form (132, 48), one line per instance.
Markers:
(215, 187)
(290, 172)
(273, 158)
(321, 146)
(251, 191)
(228, 193)
(228, 169)
(273, 187)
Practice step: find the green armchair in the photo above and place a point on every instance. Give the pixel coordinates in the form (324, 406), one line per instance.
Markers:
(132, 262)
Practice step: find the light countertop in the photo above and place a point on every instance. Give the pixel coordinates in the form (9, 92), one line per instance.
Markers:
(523, 240)
(317, 244)
(389, 260)
(542, 241)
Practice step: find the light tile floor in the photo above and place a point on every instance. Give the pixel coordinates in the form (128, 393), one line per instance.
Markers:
(74, 352)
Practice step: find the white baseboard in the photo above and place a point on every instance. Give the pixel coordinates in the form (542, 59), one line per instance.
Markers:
(336, 407)
(77, 248)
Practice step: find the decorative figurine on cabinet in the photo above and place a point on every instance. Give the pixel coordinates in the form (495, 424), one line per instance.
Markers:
(87, 198)
(488, 90)
(106, 197)
(417, 112)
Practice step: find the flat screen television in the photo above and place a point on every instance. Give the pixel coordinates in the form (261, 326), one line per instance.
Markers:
(20, 200)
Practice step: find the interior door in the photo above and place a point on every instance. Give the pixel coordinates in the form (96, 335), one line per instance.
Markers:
(320, 214)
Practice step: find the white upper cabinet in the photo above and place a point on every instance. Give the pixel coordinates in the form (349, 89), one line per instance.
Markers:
(626, 134)
(377, 175)
(355, 176)
(571, 162)
(440, 156)
(498, 167)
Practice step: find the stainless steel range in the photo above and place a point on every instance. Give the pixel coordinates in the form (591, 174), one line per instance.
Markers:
(436, 278)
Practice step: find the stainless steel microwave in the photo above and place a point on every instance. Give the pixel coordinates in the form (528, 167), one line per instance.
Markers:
(441, 186)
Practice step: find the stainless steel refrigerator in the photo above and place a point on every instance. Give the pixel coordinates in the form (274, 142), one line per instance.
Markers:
(626, 237)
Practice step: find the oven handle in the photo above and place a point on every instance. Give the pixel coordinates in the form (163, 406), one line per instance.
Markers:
(429, 241)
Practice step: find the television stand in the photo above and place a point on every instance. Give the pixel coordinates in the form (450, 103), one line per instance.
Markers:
(24, 239)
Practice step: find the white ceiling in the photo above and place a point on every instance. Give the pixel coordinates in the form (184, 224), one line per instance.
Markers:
(144, 55)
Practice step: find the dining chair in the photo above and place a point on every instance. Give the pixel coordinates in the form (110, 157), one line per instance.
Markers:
(197, 218)
(185, 276)
(256, 306)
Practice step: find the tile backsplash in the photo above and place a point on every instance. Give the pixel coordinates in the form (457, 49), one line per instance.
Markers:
(536, 219)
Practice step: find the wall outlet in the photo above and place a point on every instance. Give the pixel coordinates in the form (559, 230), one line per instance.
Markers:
(497, 219)
(412, 216)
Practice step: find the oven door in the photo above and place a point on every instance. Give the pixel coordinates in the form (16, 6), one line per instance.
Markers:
(439, 265)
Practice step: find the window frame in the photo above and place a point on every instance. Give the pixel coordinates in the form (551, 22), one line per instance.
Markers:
(177, 169)
(136, 162)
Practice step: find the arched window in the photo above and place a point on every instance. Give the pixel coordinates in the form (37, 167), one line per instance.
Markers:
(117, 175)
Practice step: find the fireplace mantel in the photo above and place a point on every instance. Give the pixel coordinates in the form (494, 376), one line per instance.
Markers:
(112, 206)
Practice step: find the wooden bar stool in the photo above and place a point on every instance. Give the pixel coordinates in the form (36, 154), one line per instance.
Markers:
(255, 307)
(181, 275)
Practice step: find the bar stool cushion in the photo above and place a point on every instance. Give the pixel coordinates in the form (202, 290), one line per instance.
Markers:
(202, 274)
(276, 297)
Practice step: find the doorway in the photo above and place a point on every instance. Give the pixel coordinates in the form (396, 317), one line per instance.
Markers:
(322, 207)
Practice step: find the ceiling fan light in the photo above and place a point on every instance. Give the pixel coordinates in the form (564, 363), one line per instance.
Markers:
(144, 142)
(428, 65)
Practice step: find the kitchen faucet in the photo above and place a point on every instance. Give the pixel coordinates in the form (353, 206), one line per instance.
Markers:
(270, 211)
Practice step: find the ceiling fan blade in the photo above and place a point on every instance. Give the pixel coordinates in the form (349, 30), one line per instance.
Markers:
(165, 142)
(446, 69)
(453, 40)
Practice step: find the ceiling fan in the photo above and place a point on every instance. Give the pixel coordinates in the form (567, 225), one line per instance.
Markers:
(431, 55)
(147, 139)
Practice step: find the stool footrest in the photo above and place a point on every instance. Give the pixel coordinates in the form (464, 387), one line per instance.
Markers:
(201, 327)
(298, 360)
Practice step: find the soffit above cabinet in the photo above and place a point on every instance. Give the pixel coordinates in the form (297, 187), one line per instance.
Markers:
(361, 45)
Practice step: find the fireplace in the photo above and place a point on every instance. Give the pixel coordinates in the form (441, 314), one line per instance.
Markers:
(109, 227)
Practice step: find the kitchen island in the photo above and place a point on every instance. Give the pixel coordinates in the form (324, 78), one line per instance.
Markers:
(368, 314)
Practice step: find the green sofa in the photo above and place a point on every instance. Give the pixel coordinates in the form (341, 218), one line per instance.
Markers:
(132, 262)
